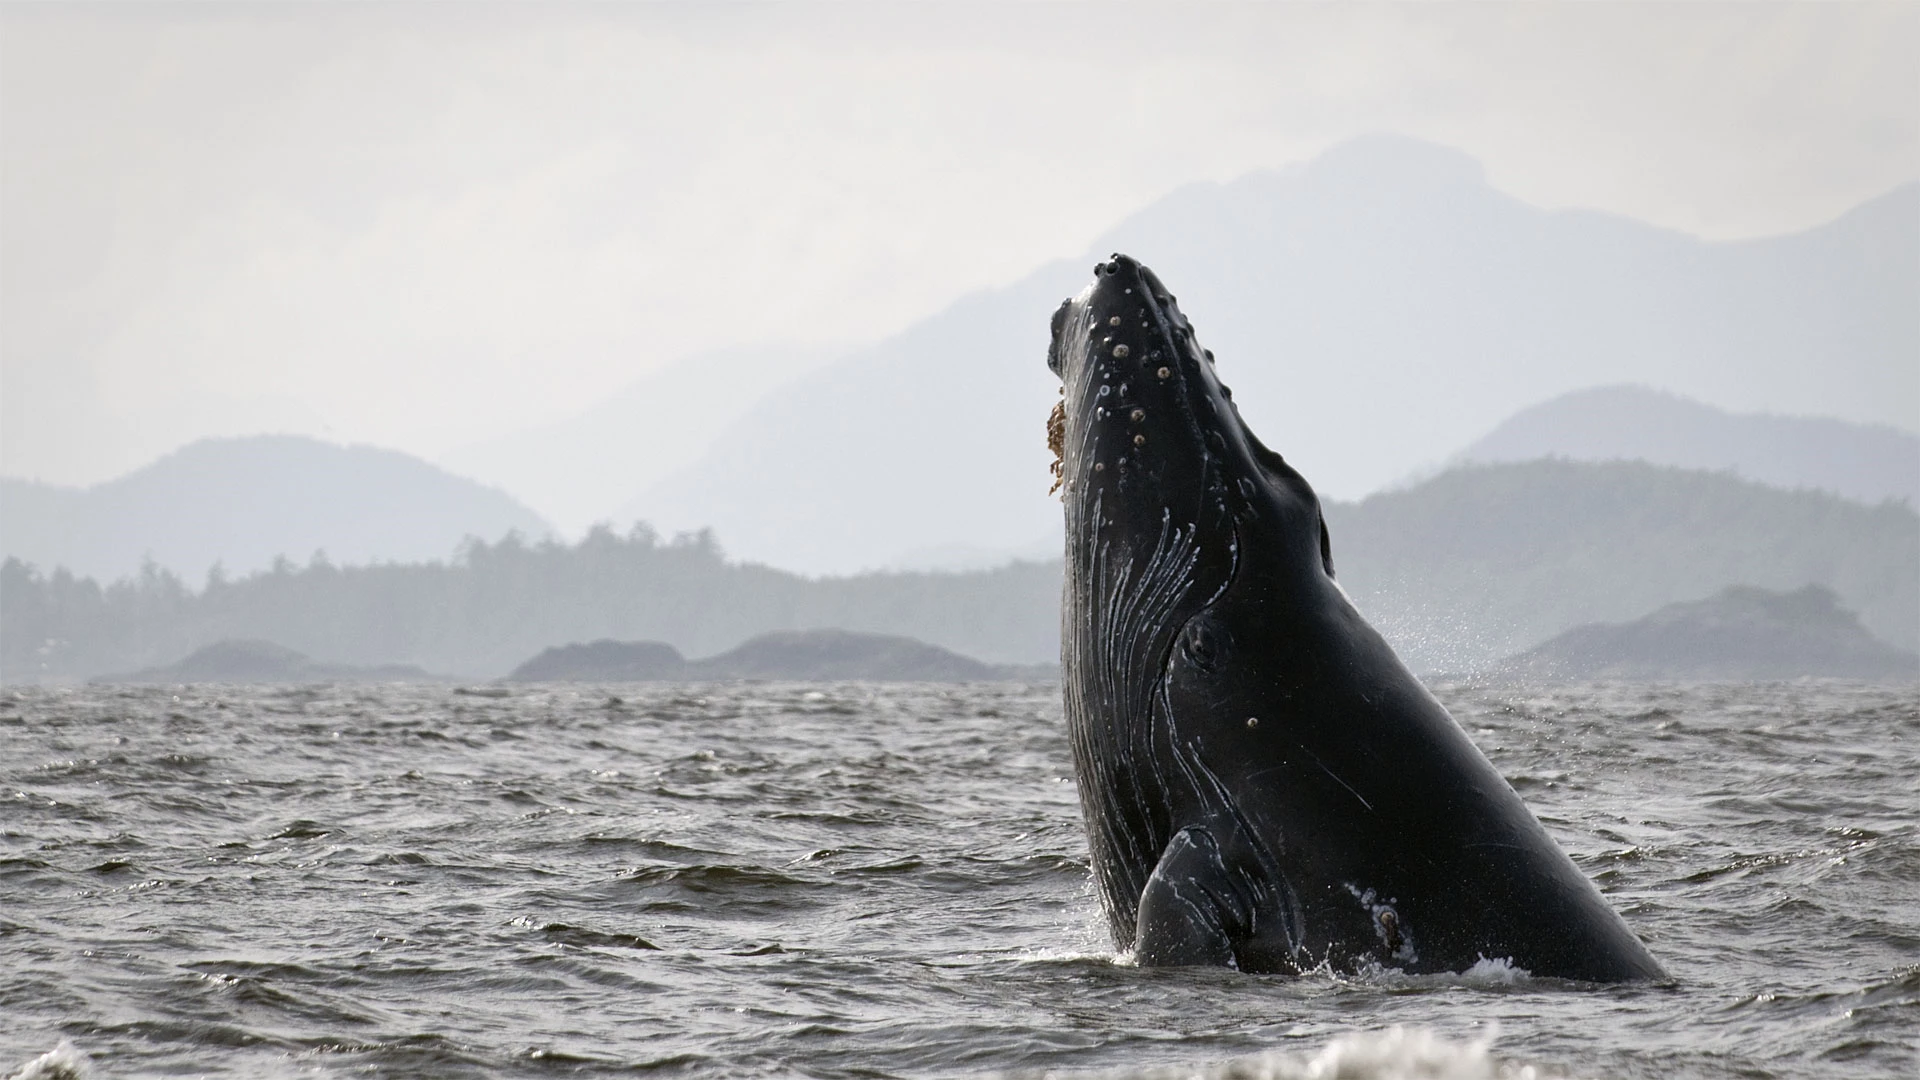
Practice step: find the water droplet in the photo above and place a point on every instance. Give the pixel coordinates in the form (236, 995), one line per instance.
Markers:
(1120, 352)
(1164, 372)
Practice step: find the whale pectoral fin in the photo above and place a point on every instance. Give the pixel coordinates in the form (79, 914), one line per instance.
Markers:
(1186, 909)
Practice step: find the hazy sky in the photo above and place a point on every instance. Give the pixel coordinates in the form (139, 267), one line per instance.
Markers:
(421, 226)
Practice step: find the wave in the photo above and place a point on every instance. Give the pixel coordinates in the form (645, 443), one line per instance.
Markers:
(62, 1062)
(1396, 1053)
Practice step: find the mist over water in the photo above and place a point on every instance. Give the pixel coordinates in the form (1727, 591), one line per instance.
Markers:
(881, 880)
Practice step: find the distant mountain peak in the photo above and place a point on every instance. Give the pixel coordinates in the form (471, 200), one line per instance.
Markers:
(1372, 309)
(1636, 422)
(243, 501)
(216, 446)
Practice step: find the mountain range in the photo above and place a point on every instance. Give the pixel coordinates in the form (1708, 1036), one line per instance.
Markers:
(243, 503)
(1372, 308)
(1458, 571)
(1376, 309)
(1483, 561)
(1638, 423)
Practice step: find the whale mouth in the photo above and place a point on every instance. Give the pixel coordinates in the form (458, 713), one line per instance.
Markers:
(1057, 441)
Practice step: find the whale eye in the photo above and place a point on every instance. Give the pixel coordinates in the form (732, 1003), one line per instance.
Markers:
(1200, 645)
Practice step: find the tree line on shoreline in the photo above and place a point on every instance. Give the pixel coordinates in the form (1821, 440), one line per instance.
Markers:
(1459, 571)
(496, 604)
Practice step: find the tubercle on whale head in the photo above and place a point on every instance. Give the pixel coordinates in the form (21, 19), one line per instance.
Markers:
(1146, 429)
(1122, 351)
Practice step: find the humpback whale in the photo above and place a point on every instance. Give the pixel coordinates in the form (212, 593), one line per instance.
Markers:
(1265, 785)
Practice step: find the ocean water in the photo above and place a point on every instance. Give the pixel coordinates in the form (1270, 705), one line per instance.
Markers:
(860, 880)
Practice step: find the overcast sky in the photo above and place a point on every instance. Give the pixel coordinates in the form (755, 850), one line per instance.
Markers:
(421, 226)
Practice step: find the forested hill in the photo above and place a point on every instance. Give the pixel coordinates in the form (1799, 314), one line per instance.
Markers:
(1867, 462)
(498, 604)
(1487, 560)
(1468, 567)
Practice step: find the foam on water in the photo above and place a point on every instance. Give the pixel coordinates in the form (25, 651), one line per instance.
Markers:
(62, 1062)
(1398, 1053)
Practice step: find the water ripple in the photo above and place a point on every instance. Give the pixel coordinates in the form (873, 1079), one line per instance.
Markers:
(852, 880)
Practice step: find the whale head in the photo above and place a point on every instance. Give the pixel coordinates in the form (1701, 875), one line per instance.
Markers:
(1169, 497)
(1155, 461)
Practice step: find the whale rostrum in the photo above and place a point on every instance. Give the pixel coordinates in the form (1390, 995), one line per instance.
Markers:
(1265, 785)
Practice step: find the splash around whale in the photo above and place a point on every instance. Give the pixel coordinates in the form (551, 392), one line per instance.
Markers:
(1265, 785)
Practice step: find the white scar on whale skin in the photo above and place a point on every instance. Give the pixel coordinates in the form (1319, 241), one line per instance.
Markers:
(1336, 778)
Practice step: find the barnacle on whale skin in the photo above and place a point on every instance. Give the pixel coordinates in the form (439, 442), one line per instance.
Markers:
(1057, 442)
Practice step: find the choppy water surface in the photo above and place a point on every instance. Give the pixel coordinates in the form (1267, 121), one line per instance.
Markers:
(869, 881)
